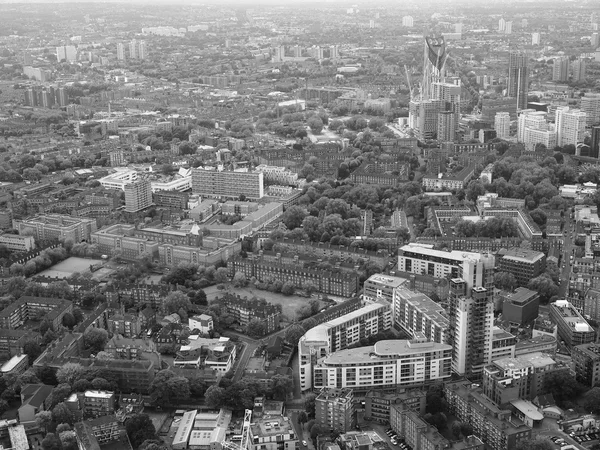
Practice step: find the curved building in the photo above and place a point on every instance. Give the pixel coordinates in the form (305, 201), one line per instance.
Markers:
(389, 363)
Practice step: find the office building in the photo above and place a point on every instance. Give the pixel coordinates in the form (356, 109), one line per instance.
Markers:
(521, 306)
(334, 409)
(521, 377)
(228, 184)
(572, 327)
(579, 68)
(524, 264)
(586, 359)
(121, 51)
(502, 125)
(560, 69)
(138, 196)
(590, 104)
(417, 315)
(496, 427)
(339, 334)
(387, 364)
(518, 78)
(471, 318)
(570, 126)
(475, 268)
(535, 39)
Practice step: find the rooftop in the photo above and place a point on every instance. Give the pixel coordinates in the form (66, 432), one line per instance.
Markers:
(523, 255)
(271, 425)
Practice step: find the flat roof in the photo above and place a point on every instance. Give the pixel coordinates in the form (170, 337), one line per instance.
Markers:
(12, 363)
(528, 409)
(383, 350)
(185, 428)
(430, 251)
(536, 359)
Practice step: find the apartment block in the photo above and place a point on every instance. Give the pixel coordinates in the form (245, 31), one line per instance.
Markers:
(171, 199)
(227, 184)
(416, 314)
(338, 334)
(335, 409)
(586, 358)
(245, 311)
(53, 227)
(570, 126)
(17, 243)
(138, 196)
(387, 364)
(382, 286)
(442, 182)
(497, 428)
(590, 104)
(573, 329)
(378, 403)
(19, 311)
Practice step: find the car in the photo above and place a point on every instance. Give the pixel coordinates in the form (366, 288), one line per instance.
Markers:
(305, 443)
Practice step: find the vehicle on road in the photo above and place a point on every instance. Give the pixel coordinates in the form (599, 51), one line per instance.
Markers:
(305, 443)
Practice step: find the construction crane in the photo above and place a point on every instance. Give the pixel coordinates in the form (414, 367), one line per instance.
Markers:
(245, 442)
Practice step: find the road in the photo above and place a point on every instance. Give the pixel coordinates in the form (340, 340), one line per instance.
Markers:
(568, 246)
(250, 345)
(300, 433)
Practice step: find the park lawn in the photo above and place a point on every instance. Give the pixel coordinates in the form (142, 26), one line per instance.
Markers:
(289, 303)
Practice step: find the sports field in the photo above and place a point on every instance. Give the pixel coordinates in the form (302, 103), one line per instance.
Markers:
(69, 266)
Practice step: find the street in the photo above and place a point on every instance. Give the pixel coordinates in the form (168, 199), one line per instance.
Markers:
(250, 345)
(568, 246)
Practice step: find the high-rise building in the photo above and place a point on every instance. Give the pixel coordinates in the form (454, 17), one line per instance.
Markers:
(535, 38)
(121, 51)
(66, 53)
(595, 40)
(502, 125)
(502, 25)
(570, 126)
(227, 184)
(133, 49)
(446, 129)
(518, 78)
(579, 69)
(508, 27)
(471, 318)
(371, 23)
(142, 53)
(586, 358)
(560, 69)
(138, 195)
(533, 129)
(590, 104)
(408, 21)
(595, 144)
(334, 52)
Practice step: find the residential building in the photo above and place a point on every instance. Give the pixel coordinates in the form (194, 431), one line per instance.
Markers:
(53, 227)
(533, 129)
(34, 399)
(382, 286)
(102, 431)
(521, 377)
(579, 74)
(443, 182)
(570, 126)
(216, 354)
(591, 307)
(138, 196)
(475, 268)
(17, 243)
(171, 199)
(203, 323)
(502, 125)
(590, 104)
(339, 334)
(13, 341)
(535, 39)
(227, 184)
(272, 432)
(418, 315)
(518, 78)
(6, 219)
(15, 365)
(97, 403)
(471, 317)
(334, 409)
(121, 51)
(27, 308)
(572, 327)
(560, 69)
(387, 364)
(379, 403)
(524, 264)
(420, 435)
(586, 359)
(244, 311)
(127, 325)
(496, 427)
(521, 306)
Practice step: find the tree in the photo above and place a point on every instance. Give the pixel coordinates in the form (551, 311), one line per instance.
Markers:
(239, 279)
(177, 300)
(310, 405)
(221, 275)
(505, 281)
(456, 429)
(563, 387)
(293, 216)
(538, 443)
(139, 428)
(32, 349)
(255, 328)
(466, 429)
(62, 414)
(68, 439)
(69, 321)
(288, 288)
(316, 124)
(214, 397)
(51, 442)
(281, 386)
(293, 334)
(544, 285)
(81, 385)
(302, 417)
(43, 419)
(69, 373)
(315, 431)
(167, 388)
(591, 402)
(95, 339)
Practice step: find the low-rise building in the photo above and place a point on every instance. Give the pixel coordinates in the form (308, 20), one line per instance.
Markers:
(27, 307)
(17, 243)
(245, 310)
(56, 227)
(15, 365)
(443, 182)
(203, 323)
(520, 307)
(573, 329)
(586, 358)
(378, 404)
(524, 264)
